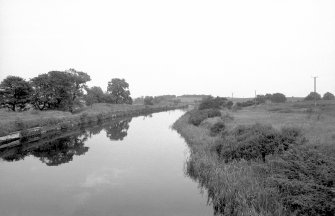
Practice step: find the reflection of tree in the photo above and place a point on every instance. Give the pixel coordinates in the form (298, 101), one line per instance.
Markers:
(16, 155)
(61, 150)
(117, 130)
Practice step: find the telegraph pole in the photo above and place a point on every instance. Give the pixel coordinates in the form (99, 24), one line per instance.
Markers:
(315, 90)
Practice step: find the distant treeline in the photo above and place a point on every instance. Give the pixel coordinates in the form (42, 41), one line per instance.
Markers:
(59, 90)
(151, 100)
(281, 98)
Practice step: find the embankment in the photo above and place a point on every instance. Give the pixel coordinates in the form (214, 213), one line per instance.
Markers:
(293, 181)
(33, 128)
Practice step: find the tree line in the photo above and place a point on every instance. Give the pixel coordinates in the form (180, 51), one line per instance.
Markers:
(59, 90)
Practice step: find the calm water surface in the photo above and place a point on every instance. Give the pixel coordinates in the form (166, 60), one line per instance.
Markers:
(123, 168)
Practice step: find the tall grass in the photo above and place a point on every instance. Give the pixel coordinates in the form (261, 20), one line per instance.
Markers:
(293, 180)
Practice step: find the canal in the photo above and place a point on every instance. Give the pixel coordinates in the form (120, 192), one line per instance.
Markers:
(127, 167)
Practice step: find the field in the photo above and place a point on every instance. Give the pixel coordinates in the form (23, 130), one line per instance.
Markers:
(296, 181)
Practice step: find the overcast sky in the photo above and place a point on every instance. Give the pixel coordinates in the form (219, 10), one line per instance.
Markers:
(175, 46)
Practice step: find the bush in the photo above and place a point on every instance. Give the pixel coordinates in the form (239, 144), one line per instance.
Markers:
(328, 96)
(217, 128)
(278, 98)
(245, 104)
(305, 180)
(215, 103)
(257, 141)
(313, 96)
(197, 116)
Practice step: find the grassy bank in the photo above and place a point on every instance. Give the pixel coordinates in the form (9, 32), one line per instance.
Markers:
(266, 160)
(16, 121)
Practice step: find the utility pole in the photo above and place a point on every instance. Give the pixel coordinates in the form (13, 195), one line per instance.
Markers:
(255, 97)
(232, 95)
(315, 90)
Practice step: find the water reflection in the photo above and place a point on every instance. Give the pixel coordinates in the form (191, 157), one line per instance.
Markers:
(55, 151)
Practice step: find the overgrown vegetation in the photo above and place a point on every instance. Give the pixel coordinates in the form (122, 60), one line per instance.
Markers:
(259, 169)
(197, 116)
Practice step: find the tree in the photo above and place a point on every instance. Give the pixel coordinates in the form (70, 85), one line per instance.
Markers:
(94, 95)
(79, 80)
(43, 93)
(15, 93)
(278, 98)
(118, 89)
(313, 96)
(148, 100)
(58, 89)
(328, 96)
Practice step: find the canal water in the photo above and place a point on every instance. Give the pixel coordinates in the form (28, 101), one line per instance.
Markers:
(122, 168)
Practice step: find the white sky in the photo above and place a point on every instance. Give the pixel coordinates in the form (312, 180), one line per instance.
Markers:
(175, 46)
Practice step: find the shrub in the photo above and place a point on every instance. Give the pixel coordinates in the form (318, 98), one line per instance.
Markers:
(305, 180)
(197, 116)
(215, 103)
(245, 104)
(256, 142)
(328, 96)
(217, 128)
(278, 98)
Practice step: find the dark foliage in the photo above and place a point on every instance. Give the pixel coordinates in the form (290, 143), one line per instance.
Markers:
(217, 128)
(313, 96)
(245, 103)
(58, 89)
(14, 93)
(305, 180)
(94, 95)
(197, 116)
(257, 141)
(278, 98)
(212, 103)
(118, 90)
(328, 96)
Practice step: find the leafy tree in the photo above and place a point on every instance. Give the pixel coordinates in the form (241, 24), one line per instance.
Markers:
(118, 90)
(58, 89)
(328, 96)
(79, 80)
(15, 93)
(312, 96)
(43, 94)
(94, 95)
(278, 98)
(148, 100)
